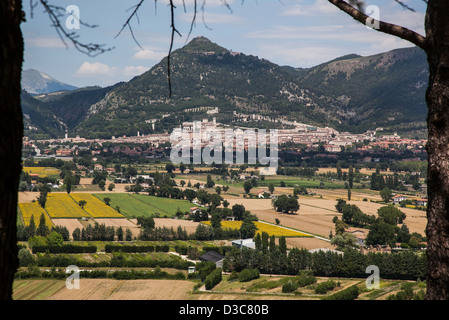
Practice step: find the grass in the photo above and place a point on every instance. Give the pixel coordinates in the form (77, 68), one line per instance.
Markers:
(135, 205)
(290, 181)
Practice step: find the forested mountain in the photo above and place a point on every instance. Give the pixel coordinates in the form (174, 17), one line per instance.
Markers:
(386, 90)
(350, 93)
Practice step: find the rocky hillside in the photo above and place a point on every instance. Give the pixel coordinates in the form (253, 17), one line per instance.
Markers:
(350, 93)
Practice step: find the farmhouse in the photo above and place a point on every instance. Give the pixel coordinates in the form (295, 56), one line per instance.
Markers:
(194, 210)
(398, 198)
(247, 243)
(359, 235)
(261, 194)
(421, 202)
(214, 257)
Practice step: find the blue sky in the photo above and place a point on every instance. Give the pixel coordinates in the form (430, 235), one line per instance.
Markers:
(301, 33)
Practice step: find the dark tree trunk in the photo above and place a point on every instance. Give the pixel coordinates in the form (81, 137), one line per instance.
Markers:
(437, 96)
(11, 131)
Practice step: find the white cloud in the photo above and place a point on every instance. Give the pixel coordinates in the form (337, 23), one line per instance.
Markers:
(96, 68)
(318, 8)
(103, 71)
(149, 54)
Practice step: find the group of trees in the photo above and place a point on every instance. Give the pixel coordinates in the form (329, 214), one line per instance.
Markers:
(286, 204)
(402, 265)
(24, 233)
(392, 182)
(382, 230)
(99, 232)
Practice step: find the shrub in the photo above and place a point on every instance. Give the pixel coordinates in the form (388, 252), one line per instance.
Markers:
(181, 249)
(249, 274)
(213, 279)
(306, 278)
(326, 286)
(66, 248)
(204, 268)
(25, 258)
(109, 248)
(290, 286)
(347, 294)
(162, 248)
(233, 276)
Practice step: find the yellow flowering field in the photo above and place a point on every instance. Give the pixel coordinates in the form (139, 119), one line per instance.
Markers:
(271, 229)
(30, 209)
(41, 171)
(95, 207)
(61, 205)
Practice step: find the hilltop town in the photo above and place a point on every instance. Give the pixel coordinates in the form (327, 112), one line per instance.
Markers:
(301, 137)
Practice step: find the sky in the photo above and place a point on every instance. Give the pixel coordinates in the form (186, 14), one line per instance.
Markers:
(301, 33)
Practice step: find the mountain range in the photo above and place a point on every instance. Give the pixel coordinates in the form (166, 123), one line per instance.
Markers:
(350, 93)
(36, 82)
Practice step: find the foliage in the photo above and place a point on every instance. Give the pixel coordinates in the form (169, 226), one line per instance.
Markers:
(248, 274)
(66, 248)
(213, 278)
(286, 204)
(400, 265)
(325, 286)
(248, 229)
(289, 287)
(346, 294)
(391, 215)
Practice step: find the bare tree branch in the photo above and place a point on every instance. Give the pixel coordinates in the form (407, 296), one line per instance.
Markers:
(192, 24)
(128, 22)
(384, 27)
(173, 31)
(55, 13)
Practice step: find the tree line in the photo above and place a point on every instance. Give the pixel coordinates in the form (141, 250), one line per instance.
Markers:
(274, 260)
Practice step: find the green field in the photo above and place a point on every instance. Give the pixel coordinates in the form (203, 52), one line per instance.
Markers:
(135, 205)
(290, 181)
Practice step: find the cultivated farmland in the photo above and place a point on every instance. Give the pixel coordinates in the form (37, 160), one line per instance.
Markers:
(41, 171)
(135, 205)
(95, 207)
(103, 289)
(33, 209)
(271, 229)
(61, 205)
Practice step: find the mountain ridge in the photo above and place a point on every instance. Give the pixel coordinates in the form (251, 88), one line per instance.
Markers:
(351, 93)
(37, 82)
